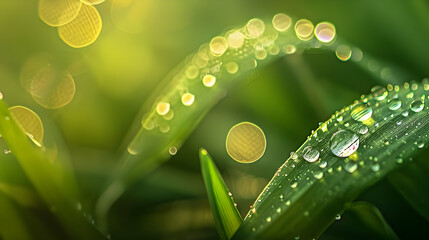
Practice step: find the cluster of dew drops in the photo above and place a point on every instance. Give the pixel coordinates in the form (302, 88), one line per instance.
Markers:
(344, 142)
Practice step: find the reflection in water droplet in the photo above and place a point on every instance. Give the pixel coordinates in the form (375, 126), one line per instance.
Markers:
(344, 143)
(417, 106)
(30, 123)
(395, 104)
(325, 32)
(338, 217)
(379, 92)
(281, 22)
(209, 80)
(361, 112)
(343, 52)
(245, 142)
(350, 167)
(405, 113)
(294, 185)
(323, 164)
(310, 154)
(304, 29)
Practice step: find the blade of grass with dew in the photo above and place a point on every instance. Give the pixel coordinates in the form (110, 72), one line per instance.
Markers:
(373, 220)
(226, 215)
(355, 148)
(194, 87)
(411, 182)
(40, 172)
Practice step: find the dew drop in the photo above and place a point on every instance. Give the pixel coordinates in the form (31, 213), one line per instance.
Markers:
(162, 108)
(338, 217)
(278, 210)
(325, 32)
(405, 113)
(304, 29)
(350, 167)
(375, 167)
(379, 93)
(236, 39)
(293, 155)
(218, 46)
(256, 27)
(395, 104)
(287, 203)
(343, 52)
(399, 160)
(268, 219)
(188, 99)
(318, 175)
(323, 164)
(344, 143)
(7, 151)
(281, 22)
(361, 112)
(172, 150)
(294, 185)
(417, 106)
(310, 154)
(1, 96)
(209, 80)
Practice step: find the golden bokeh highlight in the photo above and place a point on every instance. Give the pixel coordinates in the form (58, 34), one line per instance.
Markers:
(304, 29)
(29, 122)
(343, 52)
(282, 22)
(50, 87)
(325, 32)
(232, 67)
(58, 12)
(209, 80)
(255, 27)
(236, 39)
(218, 46)
(84, 29)
(246, 142)
(188, 99)
(162, 108)
(92, 2)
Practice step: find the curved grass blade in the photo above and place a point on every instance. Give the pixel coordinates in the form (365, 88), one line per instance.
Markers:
(225, 213)
(411, 182)
(372, 219)
(42, 174)
(354, 149)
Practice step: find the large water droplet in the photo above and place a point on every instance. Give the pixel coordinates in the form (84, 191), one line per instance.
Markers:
(395, 104)
(379, 92)
(361, 112)
(344, 143)
(310, 154)
(417, 106)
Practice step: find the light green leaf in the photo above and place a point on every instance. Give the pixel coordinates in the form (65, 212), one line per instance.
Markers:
(411, 181)
(354, 149)
(225, 213)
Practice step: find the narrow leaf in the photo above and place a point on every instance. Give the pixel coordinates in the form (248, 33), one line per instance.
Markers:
(225, 213)
(351, 151)
(411, 182)
(372, 220)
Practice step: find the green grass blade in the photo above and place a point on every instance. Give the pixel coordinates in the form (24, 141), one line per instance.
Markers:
(12, 224)
(411, 182)
(372, 219)
(225, 213)
(304, 197)
(43, 176)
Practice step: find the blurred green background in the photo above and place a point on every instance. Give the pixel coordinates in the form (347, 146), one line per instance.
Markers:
(115, 75)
